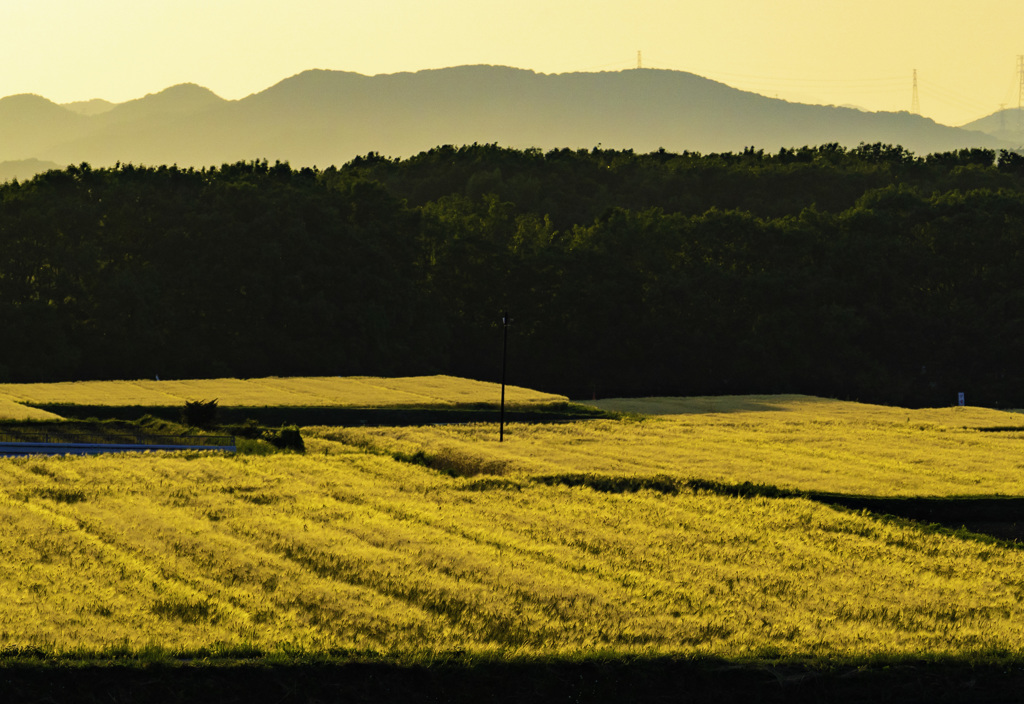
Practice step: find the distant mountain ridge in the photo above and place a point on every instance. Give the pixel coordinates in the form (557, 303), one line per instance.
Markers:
(1006, 124)
(89, 107)
(24, 169)
(323, 117)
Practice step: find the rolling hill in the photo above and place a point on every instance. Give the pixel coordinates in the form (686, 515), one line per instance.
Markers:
(328, 117)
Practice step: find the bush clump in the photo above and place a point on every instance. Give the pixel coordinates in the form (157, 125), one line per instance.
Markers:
(260, 438)
(287, 438)
(199, 414)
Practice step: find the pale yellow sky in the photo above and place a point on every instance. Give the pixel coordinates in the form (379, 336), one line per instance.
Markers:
(820, 51)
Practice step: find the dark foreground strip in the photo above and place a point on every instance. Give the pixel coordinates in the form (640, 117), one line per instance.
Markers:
(618, 681)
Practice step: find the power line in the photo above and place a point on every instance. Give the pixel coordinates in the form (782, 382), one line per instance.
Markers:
(952, 98)
(1012, 87)
(860, 87)
(827, 81)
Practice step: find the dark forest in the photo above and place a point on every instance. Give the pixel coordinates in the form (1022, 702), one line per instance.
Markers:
(867, 273)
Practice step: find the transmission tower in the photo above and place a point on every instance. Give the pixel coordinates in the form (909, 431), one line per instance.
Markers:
(1020, 89)
(639, 62)
(915, 104)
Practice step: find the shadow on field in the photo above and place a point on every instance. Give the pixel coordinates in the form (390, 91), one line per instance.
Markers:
(342, 416)
(1000, 517)
(700, 405)
(606, 680)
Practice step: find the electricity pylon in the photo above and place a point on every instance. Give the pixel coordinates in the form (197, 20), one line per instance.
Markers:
(915, 104)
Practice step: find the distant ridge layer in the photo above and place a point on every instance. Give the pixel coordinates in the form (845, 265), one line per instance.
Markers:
(328, 117)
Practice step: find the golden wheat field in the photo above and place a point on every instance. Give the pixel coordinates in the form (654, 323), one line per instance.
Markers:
(794, 442)
(274, 391)
(12, 410)
(347, 548)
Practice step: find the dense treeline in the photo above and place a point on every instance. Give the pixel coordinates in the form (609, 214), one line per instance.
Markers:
(867, 273)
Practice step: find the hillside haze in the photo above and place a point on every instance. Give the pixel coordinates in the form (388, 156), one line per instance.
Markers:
(328, 117)
(1006, 124)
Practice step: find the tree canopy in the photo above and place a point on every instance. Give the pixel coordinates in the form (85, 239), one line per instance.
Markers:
(864, 273)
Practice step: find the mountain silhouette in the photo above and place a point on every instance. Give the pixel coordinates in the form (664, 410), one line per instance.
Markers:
(30, 123)
(24, 169)
(323, 117)
(1006, 124)
(89, 107)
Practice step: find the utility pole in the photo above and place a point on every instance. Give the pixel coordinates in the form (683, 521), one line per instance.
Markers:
(504, 354)
(915, 105)
(639, 62)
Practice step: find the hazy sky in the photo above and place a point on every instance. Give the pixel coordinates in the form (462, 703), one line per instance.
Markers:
(841, 52)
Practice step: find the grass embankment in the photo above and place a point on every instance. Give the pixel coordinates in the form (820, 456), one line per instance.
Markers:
(291, 392)
(11, 410)
(290, 401)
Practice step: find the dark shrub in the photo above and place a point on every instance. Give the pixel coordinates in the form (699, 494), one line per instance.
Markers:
(199, 414)
(287, 439)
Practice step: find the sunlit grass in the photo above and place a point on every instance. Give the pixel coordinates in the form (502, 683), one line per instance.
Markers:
(800, 442)
(813, 407)
(341, 549)
(12, 410)
(273, 391)
(348, 550)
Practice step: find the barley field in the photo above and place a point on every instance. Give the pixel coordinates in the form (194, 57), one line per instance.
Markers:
(12, 410)
(793, 442)
(357, 547)
(273, 391)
